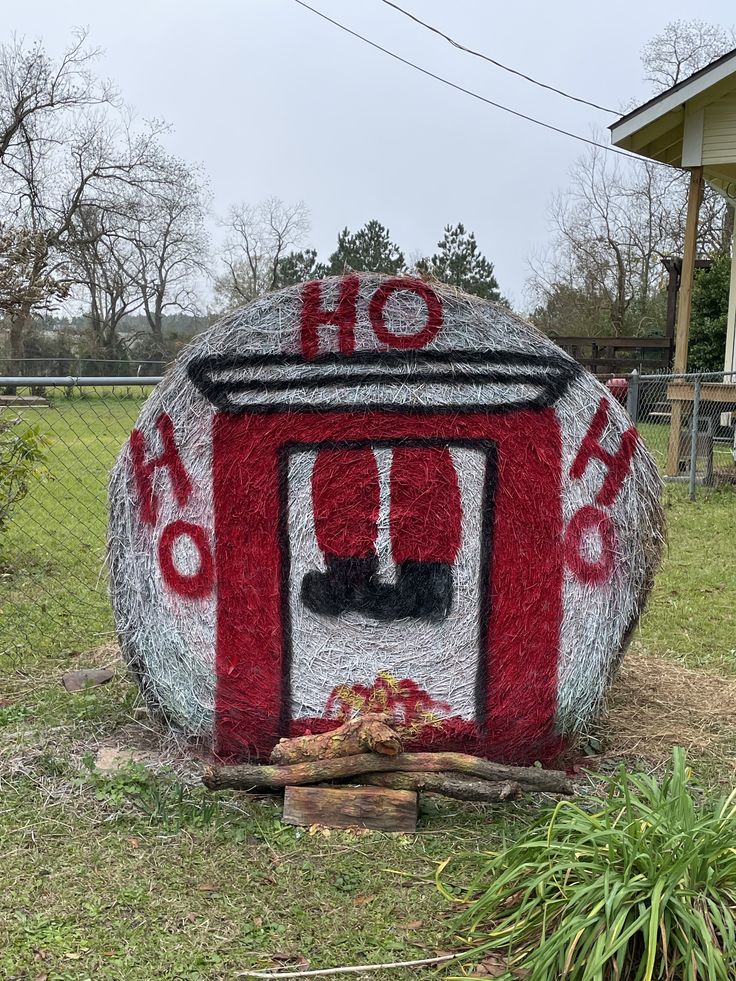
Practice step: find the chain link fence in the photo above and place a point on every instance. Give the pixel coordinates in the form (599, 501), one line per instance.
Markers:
(688, 422)
(53, 590)
(81, 367)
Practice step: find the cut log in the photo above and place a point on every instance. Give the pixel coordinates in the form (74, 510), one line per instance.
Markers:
(248, 775)
(455, 785)
(377, 808)
(371, 733)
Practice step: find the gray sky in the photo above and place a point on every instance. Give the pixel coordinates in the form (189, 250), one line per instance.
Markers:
(273, 100)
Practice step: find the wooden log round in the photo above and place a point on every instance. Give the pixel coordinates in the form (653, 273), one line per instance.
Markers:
(459, 786)
(378, 808)
(371, 733)
(246, 775)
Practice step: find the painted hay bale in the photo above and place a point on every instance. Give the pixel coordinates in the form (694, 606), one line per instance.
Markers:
(371, 492)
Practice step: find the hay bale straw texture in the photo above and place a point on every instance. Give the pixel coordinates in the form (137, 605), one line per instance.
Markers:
(380, 494)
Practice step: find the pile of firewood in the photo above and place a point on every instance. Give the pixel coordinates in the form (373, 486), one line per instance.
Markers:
(368, 752)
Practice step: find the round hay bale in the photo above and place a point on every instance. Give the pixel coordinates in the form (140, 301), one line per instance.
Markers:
(371, 493)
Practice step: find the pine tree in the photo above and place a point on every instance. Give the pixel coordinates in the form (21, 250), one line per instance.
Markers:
(370, 249)
(459, 262)
(298, 267)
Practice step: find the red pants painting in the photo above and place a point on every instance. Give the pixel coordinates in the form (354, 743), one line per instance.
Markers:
(425, 517)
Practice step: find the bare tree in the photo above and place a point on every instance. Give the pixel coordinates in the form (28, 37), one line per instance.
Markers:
(167, 232)
(19, 287)
(32, 89)
(681, 48)
(103, 264)
(617, 220)
(73, 152)
(33, 86)
(258, 238)
(611, 228)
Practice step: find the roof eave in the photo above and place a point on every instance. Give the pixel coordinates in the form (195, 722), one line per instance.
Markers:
(672, 99)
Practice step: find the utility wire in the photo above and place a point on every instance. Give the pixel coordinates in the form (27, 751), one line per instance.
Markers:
(498, 64)
(460, 88)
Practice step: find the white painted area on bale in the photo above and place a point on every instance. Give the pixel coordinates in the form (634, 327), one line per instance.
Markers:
(596, 618)
(407, 394)
(172, 639)
(185, 556)
(353, 649)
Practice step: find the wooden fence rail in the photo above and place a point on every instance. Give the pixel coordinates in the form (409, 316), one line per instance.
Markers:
(619, 355)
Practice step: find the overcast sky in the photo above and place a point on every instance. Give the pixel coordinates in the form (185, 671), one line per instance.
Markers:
(273, 100)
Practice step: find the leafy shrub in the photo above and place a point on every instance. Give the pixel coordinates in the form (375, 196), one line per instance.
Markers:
(21, 456)
(642, 888)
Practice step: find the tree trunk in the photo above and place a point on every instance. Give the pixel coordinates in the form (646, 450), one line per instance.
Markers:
(455, 785)
(371, 733)
(727, 230)
(252, 775)
(18, 329)
(157, 327)
(19, 323)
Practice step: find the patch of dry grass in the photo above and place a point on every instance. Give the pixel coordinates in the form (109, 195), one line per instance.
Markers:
(656, 703)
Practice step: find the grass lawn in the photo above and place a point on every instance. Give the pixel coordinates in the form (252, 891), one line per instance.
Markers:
(96, 889)
(142, 875)
(692, 613)
(53, 594)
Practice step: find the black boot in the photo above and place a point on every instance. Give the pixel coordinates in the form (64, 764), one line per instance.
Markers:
(348, 584)
(423, 591)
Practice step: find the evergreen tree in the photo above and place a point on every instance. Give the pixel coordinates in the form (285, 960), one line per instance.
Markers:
(298, 267)
(709, 316)
(459, 262)
(370, 249)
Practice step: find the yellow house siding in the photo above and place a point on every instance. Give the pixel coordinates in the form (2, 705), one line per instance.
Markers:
(719, 131)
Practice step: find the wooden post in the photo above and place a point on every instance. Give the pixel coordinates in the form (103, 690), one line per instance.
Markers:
(673, 266)
(684, 307)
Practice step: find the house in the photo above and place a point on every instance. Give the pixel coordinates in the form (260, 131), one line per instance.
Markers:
(692, 125)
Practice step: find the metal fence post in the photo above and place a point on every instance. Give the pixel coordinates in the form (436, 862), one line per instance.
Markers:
(632, 396)
(694, 438)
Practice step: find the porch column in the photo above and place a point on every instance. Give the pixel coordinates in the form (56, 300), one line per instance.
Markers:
(684, 307)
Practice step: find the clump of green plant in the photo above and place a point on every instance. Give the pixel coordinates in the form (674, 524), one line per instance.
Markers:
(158, 797)
(643, 887)
(21, 457)
(13, 714)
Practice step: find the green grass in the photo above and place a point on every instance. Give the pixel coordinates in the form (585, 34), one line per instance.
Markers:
(53, 595)
(144, 879)
(692, 613)
(97, 890)
(135, 877)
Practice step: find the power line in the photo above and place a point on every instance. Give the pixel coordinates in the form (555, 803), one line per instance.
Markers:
(460, 88)
(498, 64)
